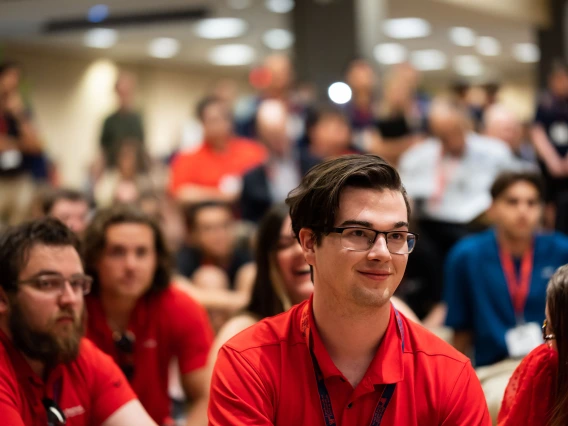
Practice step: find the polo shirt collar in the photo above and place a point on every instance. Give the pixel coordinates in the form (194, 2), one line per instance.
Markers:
(385, 368)
(24, 371)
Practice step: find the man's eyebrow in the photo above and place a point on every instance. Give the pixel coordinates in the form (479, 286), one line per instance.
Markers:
(356, 222)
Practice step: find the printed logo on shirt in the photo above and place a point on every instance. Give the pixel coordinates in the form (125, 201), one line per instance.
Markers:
(74, 411)
(547, 272)
(150, 343)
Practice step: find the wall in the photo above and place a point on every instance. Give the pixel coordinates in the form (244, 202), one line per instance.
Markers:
(71, 95)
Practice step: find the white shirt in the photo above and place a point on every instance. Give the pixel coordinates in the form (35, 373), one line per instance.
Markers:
(455, 190)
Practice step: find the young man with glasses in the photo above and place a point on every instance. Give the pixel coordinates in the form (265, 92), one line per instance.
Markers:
(495, 281)
(49, 374)
(136, 316)
(346, 356)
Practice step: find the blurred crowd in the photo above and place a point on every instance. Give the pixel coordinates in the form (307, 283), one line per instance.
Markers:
(481, 182)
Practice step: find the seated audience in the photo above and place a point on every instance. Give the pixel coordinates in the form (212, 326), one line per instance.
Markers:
(538, 390)
(449, 177)
(329, 133)
(136, 316)
(495, 281)
(49, 373)
(270, 182)
(213, 259)
(70, 207)
(215, 170)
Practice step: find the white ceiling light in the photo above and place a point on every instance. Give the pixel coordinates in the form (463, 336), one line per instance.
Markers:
(404, 28)
(280, 6)
(239, 4)
(428, 60)
(468, 65)
(219, 28)
(278, 39)
(526, 52)
(100, 38)
(163, 47)
(462, 36)
(488, 46)
(390, 53)
(339, 93)
(232, 54)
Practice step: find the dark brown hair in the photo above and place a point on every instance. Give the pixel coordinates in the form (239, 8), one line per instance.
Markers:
(206, 103)
(16, 243)
(507, 179)
(314, 203)
(95, 241)
(264, 300)
(193, 210)
(557, 302)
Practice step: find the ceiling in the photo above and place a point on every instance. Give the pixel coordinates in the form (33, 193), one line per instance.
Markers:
(21, 23)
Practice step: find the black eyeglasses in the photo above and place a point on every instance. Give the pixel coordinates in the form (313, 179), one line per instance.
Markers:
(362, 239)
(55, 416)
(124, 342)
(546, 337)
(55, 284)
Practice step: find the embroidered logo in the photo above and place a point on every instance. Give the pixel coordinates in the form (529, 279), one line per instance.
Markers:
(74, 411)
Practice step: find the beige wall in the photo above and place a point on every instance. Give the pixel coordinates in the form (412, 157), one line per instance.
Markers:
(71, 96)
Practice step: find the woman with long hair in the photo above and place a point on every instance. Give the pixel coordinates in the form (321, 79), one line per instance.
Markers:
(537, 394)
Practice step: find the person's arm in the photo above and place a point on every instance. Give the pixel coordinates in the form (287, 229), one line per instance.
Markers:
(227, 300)
(198, 415)
(29, 141)
(465, 405)
(8, 409)
(546, 152)
(457, 297)
(239, 396)
(131, 413)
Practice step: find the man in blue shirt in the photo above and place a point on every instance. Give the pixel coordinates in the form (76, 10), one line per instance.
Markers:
(495, 281)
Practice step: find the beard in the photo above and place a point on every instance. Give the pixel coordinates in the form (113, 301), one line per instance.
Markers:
(50, 347)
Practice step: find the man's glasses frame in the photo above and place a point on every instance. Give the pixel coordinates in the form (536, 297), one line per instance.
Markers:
(55, 284)
(410, 237)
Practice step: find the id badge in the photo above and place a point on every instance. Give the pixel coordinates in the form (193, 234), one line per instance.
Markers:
(523, 339)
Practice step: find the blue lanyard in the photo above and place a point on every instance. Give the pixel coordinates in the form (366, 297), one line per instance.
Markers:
(384, 400)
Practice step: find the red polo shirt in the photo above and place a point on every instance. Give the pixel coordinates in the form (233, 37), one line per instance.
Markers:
(207, 167)
(167, 325)
(265, 376)
(92, 388)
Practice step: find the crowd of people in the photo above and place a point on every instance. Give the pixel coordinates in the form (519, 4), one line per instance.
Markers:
(291, 237)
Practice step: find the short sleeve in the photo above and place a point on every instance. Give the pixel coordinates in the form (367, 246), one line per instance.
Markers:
(191, 332)
(108, 387)
(466, 405)
(238, 396)
(456, 290)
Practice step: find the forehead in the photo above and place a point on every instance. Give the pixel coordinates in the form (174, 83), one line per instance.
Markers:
(382, 209)
(127, 234)
(65, 204)
(212, 214)
(521, 189)
(59, 259)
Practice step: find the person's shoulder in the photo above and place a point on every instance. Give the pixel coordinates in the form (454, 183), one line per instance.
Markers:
(91, 358)
(473, 243)
(178, 304)
(555, 237)
(269, 332)
(424, 342)
(487, 145)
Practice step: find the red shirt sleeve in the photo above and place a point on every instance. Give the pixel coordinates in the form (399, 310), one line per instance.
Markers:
(109, 389)
(181, 172)
(466, 404)
(192, 335)
(238, 395)
(9, 412)
(528, 398)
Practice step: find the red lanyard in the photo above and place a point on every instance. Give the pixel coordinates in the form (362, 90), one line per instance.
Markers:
(518, 287)
(444, 175)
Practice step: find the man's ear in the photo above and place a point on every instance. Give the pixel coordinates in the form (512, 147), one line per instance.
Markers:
(308, 243)
(4, 302)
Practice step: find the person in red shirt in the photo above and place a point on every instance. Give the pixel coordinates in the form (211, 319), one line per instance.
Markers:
(136, 316)
(346, 356)
(215, 170)
(49, 373)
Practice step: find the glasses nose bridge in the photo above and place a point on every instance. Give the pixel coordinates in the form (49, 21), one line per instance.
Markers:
(66, 285)
(373, 242)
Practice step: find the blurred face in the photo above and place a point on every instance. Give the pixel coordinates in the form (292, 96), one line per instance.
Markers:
(214, 231)
(48, 326)
(9, 80)
(74, 214)
(125, 87)
(126, 161)
(294, 270)
(272, 121)
(127, 263)
(280, 70)
(217, 124)
(359, 278)
(361, 77)
(331, 137)
(558, 83)
(518, 210)
(449, 128)
(508, 130)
